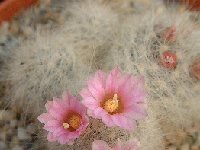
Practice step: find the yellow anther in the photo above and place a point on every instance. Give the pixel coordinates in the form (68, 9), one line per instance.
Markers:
(112, 105)
(75, 121)
(72, 122)
(65, 125)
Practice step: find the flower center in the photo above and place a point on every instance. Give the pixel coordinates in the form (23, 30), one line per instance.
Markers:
(112, 105)
(73, 122)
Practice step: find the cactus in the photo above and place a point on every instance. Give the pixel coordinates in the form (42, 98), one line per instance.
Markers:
(96, 36)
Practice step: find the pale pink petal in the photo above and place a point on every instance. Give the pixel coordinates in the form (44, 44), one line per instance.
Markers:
(123, 122)
(91, 114)
(81, 109)
(77, 106)
(48, 105)
(96, 85)
(132, 89)
(91, 103)
(126, 85)
(66, 99)
(100, 145)
(51, 138)
(107, 119)
(98, 81)
(139, 90)
(85, 122)
(119, 146)
(136, 111)
(58, 105)
(59, 131)
(101, 76)
(63, 139)
(96, 91)
(100, 112)
(45, 117)
(73, 102)
(53, 123)
(85, 93)
(112, 81)
(56, 114)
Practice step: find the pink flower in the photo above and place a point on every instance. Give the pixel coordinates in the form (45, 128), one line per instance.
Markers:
(65, 119)
(116, 99)
(101, 145)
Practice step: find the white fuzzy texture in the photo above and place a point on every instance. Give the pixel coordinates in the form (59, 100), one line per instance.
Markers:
(96, 36)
